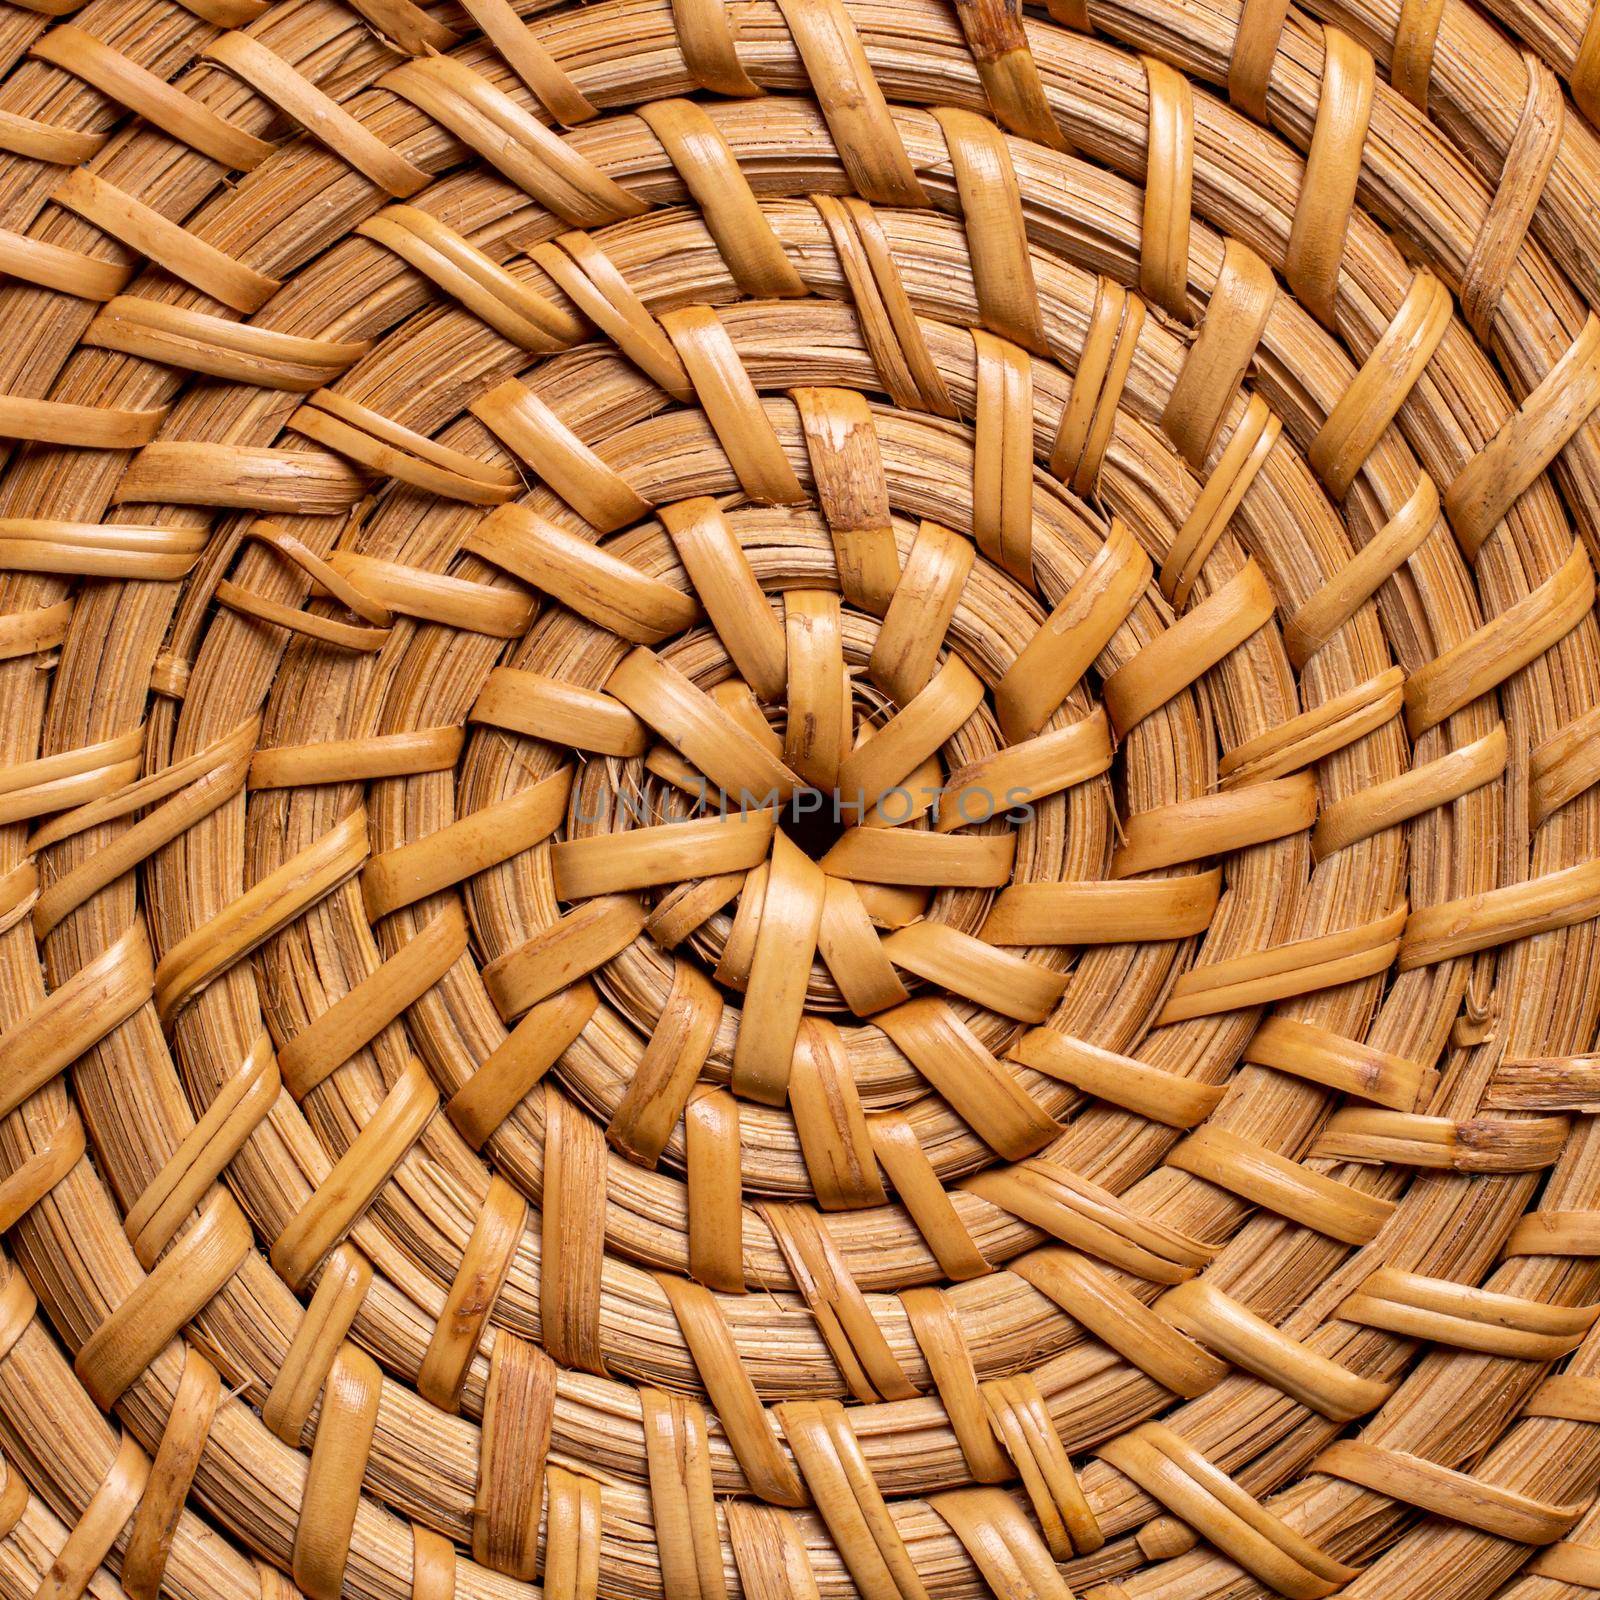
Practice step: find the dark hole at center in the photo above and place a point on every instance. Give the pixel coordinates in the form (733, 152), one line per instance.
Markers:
(813, 820)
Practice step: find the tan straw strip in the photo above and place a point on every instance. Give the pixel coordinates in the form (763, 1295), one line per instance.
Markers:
(1255, 50)
(595, 490)
(817, 731)
(849, 1500)
(889, 325)
(1342, 1064)
(161, 104)
(148, 233)
(673, 1056)
(1502, 646)
(847, 467)
(1416, 37)
(268, 906)
(559, 712)
(1171, 1470)
(97, 999)
(1002, 459)
(184, 1281)
(694, 724)
(1090, 414)
(360, 1015)
(1050, 665)
(1336, 724)
(389, 755)
(1333, 168)
(250, 477)
(570, 948)
(981, 1090)
(1274, 1181)
(1236, 469)
(925, 599)
(90, 1542)
(1554, 1233)
(714, 1144)
(338, 1202)
(51, 266)
(40, 141)
(1216, 363)
(270, 76)
(998, 41)
(433, 1565)
(346, 1277)
(944, 1347)
(705, 35)
(1497, 916)
(1528, 163)
(31, 1180)
(1118, 1318)
(1230, 1328)
(573, 1235)
(1189, 648)
(517, 1411)
(1017, 1412)
(1531, 438)
(572, 1534)
(338, 1463)
(749, 1429)
(829, 1122)
(470, 845)
(786, 937)
(909, 1170)
(183, 1442)
(512, 1069)
(1444, 1492)
(1388, 375)
(678, 1455)
(695, 146)
(1001, 1542)
(997, 235)
(527, 57)
(587, 275)
(1215, 824)
(896, 752)
(166, 1202)
(1564, 766)
(1299, 966)
(1584, 79)
(1433, 783)
(197, 341)
(1168, 190)
(977, 971)
(858, 117)
(460, 270)
(512, 140)
(733, 408)
(1347, 590)
(1133, 1085)
(720, 572)
(383, 446)
(1104, 913)
(845, 1321)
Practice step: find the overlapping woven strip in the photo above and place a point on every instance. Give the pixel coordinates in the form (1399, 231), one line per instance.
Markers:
(799, 799)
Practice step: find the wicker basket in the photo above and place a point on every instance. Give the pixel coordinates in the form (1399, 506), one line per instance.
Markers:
(799, 800)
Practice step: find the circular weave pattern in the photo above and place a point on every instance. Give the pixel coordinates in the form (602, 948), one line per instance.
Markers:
(798, 799)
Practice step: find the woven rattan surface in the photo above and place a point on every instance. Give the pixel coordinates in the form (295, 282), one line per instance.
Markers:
(798, 799)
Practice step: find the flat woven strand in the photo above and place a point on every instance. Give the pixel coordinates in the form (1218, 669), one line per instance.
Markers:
(799, 799)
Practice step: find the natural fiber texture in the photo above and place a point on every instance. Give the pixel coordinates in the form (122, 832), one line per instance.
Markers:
(799, 799)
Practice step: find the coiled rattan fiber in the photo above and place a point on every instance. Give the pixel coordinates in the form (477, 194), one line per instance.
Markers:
(798, 799)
